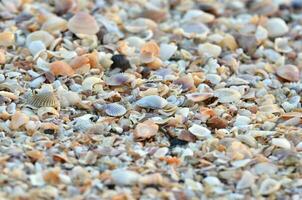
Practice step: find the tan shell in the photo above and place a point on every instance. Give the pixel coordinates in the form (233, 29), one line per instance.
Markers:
(149, 52)
(83, 23)
(18, 119)
(289, 73)
(54, 24)
(7, 39)
(145, 130)
(61, 68)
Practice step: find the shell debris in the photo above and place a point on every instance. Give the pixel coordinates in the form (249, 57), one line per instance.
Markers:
(150, 99)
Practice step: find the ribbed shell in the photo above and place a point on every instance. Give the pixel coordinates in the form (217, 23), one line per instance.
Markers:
(45, 99)
(115, 110)
(152, 101)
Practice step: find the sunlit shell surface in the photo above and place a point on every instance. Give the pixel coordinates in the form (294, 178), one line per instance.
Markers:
(152, 101)
(289, 73)
(115, 110)
(83, 23)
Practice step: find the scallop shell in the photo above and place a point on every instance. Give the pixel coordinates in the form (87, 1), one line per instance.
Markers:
(83, 23)
(227, 95)
(289, 73)
(152, 101)
(115, 110)
(118, 79)
(90, 82)
(43, 36)
(43, 99)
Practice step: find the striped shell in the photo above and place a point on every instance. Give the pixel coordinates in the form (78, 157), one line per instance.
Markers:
(152, 101)
(115, 110)
(43, 99)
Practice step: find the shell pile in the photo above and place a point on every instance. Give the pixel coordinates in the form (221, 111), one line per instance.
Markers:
(157, 99)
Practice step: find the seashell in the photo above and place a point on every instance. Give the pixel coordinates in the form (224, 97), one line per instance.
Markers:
(289, 73)
(261, 34)
(11, 85)
(200, 132)
(227, 95)
(18, 119)
(140, 25)
(195, 29)
(169, 109)
(63, 6)
(155, 64)
(124, 177)
(199, 96)
(83, 23)
(115, 110)
(238, 151)
(61, 68)
(210, 50)
(118, 79)
(43, 99)
(156, 14)
(36, 47)
(269, 186)
(93, 59)
(248, 140)
(145, 130)
(198, 15)
(281, 142)
(186, 82)
(247, 180)
(90, 83)
(281, 45)
(276, 27)
(247, 42)
(7, 39)
(120, 62)
(271, 108)
(229, 42)
(217, 122)
(54, 24)
(154, 179)
(9, 95)
(2, 58)
(67, 98)
(149, 52)
(167, 51)
(105, 60)
(78, 62)
(47, 112)
(242, 121)
(84, 122)
(135, 42)
(152, 101)
(42, 36)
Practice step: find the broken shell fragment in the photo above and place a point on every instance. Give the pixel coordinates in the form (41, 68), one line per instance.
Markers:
(18, 119)
(42, 36)
(7, 39)
(208, 49)
(83, 23)
(227, 95)
(200, 132)
(152, 101)
(145, 130)
(269, 186)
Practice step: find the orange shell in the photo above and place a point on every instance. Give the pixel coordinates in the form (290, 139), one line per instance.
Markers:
(61, 68)
(78, 62)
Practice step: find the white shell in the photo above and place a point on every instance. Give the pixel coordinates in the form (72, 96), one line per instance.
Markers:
(210, 50)
(124, 177)
(115, 110)
(276, 27)
(36, 47)
(281, 142)
(167, 51)
(152, 101)
(200, 132)
(269, 186)
(227, 95)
